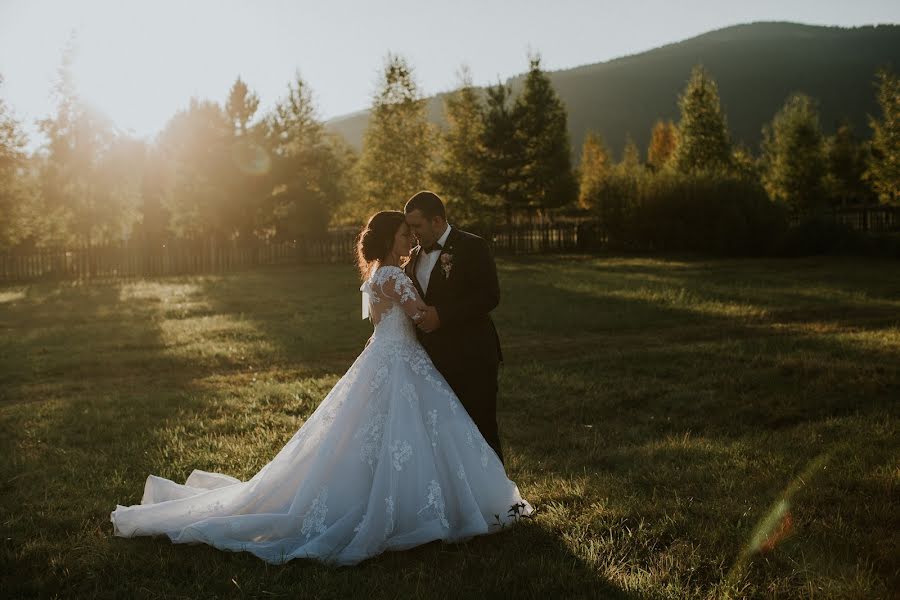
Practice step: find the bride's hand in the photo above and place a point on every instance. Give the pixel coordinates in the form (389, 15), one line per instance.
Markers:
(421, 309)
(429, 321)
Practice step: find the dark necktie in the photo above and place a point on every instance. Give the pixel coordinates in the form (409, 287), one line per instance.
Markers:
(432, 248)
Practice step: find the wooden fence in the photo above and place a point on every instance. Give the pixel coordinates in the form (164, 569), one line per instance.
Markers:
(877, 219)
(181, 258)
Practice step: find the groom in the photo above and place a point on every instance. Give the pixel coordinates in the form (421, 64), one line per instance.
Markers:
(456, 276)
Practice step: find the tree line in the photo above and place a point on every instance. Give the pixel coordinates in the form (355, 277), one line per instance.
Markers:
(229, 173)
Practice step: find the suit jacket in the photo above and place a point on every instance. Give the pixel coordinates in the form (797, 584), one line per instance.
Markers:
(464, 289)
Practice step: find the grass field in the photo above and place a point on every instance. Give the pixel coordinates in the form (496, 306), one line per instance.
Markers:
(686, 429)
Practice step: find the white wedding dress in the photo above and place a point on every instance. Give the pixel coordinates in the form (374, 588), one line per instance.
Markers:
(389, 460)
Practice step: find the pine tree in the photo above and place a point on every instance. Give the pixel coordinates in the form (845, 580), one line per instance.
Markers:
(794, 156)
(241, 106)
(619, 193)
(846, 166)
(457, 170)
(594, 171)
(745, 166)
(308, 180)
(153, 228)
(884, 167)
(663, 142)
(58, 166)
(503, 160)
(397, 143)
(15, 207)
(703, 140)
(86, 198)
(541, 119)
(249, 182)
(631, 156)
(195, 144)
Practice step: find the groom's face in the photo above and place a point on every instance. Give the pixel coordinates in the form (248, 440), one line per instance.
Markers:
(426, 230)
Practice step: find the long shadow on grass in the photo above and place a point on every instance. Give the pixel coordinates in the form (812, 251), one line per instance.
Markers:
(309, 316)
(87, 378)
(689, 421)
(712, 374)
(74, 337)
(523, 562)
(797, 289)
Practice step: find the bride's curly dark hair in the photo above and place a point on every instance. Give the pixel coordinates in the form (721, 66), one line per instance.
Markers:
(376, 238)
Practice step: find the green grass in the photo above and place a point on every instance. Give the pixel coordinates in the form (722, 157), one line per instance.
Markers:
(687, 429)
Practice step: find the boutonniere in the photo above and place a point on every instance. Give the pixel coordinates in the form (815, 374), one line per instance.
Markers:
(446, 262)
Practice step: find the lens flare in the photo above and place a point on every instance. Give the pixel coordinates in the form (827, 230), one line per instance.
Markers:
(775, 527)
(778, 522)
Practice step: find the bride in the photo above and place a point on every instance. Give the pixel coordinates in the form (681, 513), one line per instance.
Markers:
(389, 460)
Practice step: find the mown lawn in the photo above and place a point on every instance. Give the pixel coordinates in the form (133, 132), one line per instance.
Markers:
(687, 428)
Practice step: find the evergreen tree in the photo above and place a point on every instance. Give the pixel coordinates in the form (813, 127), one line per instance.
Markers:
(541, 119)
(631, 156)
(621, 194)
(846, 167)
(745, 166)
(397, 143)
(663, 142)
(57, 166)
(241, 106)
(15, 200)
(86, 198)
(703, 140)
(249, 181)
(503, 160)
(308, 178)
(884, 167)
(594, 171)
(457, 170)
(794, 156)
(195, 144)
(153, 229)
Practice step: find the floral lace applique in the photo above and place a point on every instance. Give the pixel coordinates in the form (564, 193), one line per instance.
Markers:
(389, 514)
(401, 452)
(314, 519)
(403, 285)
(371, 434)
(360, 524)
(379, 378)
(434, 499)
(485, 450)
(408, 391)
(460, 472)
(432, 420)
(417, 359)
(197, 510)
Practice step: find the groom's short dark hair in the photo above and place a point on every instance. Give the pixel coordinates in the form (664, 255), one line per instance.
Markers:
(427, 202)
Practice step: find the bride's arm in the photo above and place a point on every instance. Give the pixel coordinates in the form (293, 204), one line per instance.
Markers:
(400, 288)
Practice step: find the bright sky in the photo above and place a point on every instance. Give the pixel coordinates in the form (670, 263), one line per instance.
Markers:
(140, 62)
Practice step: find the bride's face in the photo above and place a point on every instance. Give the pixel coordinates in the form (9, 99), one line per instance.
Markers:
(402, 241)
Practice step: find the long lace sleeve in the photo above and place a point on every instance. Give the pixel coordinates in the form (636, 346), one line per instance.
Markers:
(393, 283)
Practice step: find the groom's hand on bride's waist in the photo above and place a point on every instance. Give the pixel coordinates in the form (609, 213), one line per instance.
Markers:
(430, 320)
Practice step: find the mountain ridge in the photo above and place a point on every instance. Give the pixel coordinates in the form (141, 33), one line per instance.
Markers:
(756, 66)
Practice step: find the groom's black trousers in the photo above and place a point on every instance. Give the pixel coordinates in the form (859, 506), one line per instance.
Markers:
(477, 390)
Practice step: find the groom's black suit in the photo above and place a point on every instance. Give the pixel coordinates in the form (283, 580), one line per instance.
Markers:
(466, 347)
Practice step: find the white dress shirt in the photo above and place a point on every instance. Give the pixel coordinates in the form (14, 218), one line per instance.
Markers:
(428, 260)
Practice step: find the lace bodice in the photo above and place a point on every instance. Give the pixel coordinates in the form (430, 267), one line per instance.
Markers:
(391, 300)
